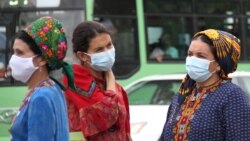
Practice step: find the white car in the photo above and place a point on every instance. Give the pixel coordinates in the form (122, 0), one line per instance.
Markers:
(150, 97)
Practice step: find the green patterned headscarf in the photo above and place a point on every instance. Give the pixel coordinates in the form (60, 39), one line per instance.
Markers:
(49, 36)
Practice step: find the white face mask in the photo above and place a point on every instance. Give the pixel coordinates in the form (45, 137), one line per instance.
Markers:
(198, 69)
(22, 68)
(103, 61)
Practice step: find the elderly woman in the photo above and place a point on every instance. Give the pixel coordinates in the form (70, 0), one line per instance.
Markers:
(39, 49)
(208, 106)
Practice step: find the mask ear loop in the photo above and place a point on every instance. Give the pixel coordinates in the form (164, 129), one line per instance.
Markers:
(88, 58)
(217, 67)
(39, 67)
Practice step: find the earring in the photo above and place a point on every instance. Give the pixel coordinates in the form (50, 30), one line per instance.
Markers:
(218, 68)
(40, 69)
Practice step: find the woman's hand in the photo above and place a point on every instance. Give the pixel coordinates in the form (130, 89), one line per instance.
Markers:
(110, 80)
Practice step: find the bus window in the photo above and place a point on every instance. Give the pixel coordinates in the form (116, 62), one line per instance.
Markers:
(5, 30)
(217, 6)
(179, 24)
(122, 23)
(2, 52)
(228, 23)
(13, 19)
(173, 38)
(155, 49)
(246, 8)
(14, 4)
(168, 6)
(114, 7)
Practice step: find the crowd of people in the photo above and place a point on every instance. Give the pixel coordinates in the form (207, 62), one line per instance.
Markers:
(87, 99)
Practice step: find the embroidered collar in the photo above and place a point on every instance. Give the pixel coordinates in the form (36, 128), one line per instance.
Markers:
(188, 110)
(46, 82)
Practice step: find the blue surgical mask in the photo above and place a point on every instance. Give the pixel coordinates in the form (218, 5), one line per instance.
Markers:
(103, 61)
(198, 69)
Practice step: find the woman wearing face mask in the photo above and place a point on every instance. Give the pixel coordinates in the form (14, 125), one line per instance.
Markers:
(208, 105)
(39, 49)
(98, 106)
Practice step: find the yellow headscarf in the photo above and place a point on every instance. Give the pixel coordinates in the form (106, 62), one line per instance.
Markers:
(227, 52)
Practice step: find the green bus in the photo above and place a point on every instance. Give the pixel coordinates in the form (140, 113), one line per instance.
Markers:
(138, 27)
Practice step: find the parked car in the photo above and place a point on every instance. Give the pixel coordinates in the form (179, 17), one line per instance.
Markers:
(149, 100)
(150, 97)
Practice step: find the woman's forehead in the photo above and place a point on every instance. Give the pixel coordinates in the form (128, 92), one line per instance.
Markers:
(20, 45)
(199, 46)
(100, 40)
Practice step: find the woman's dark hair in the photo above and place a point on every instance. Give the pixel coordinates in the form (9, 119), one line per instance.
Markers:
(28, 40)
(83, 34)
(209, 42)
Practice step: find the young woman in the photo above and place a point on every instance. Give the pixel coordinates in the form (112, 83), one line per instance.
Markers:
(39, 49)
(208, 105)
(98, 107)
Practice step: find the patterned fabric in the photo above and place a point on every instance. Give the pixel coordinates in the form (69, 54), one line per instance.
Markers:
(48, 34)
(227, 49)
(189, 109)
(101, 115)
(44, 83)
(227, 55)
(37, 119)
(214, 115)
(223, 115)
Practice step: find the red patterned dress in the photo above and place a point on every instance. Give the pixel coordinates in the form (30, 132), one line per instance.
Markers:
(101, 115)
